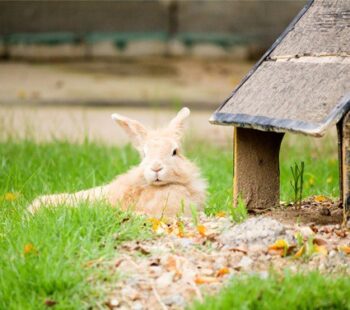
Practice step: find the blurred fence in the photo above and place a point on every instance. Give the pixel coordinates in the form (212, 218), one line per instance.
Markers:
(52, 28)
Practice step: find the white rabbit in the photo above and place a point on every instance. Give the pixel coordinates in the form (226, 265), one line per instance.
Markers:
(164, 183)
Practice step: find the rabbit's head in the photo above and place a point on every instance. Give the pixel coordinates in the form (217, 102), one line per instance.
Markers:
(160, 150)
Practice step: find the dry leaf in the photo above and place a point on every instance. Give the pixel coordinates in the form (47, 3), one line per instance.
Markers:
(50, 302)
(279, 244)
(320, 198)
(341, 233)
(280, 247)
(344, 248)
(220, 214)
(223, 271)
(319, 241)
(29, 248)
(204, 280)
(171, 263)
(158, 226)
(314, 228)
(320, 249)
(244, 251)
(202, 230)
(300, 252)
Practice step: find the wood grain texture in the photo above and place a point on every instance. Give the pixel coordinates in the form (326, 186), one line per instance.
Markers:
(323, 30)
(300, 95)
(346, 166)
(256, 168)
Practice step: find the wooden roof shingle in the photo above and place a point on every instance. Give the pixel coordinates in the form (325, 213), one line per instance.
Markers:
(302, 83)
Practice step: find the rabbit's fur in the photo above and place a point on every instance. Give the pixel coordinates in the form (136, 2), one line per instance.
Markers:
(164, 183)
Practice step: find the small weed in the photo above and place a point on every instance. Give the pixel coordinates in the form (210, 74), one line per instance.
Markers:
(239, 213)
(194, 214)
(297, 183)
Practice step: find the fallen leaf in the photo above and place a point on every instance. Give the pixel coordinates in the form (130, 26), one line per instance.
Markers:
(280, 247)
(341, 233)
(344, 248)
(180, 229)
(279, 252)
(50, 302)
(300, 252)
(314, 228)
(223, 271)
(142, 250)
(29, 248)
(320, 249)
(320, 198)
(279, 244)
(319, 241)
(220, 214)
(158, 226)
(244, 251)
(204, 280)
(171, 263)
(202, 230)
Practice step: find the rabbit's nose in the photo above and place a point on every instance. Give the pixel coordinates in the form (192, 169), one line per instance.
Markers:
(157, 169)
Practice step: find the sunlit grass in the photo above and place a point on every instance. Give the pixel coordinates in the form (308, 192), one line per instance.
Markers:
(63, 243)
(299, 291)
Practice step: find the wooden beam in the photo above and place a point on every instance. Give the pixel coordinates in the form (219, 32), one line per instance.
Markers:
(345, 166)
(256, 167)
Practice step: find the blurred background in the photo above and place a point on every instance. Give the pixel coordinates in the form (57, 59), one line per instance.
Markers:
(65, 66)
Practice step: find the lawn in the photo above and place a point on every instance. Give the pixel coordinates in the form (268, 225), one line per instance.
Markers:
(298, 291)
(54, 256)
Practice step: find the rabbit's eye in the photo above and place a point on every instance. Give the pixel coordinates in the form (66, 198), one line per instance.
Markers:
(175, 152)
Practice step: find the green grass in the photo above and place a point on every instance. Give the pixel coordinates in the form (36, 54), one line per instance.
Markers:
(299, 291)
(64, 240)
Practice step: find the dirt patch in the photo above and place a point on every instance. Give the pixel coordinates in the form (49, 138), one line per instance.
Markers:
(323, 212)
(185, 261)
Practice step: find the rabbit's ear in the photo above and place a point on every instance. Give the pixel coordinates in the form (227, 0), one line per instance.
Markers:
(177, 124)
(135, 130)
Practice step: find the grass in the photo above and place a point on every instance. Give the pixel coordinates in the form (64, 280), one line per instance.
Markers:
(298, 291)
(50, 257)
(47, 257)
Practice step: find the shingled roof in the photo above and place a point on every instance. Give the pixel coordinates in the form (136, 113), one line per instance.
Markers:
(302, 83)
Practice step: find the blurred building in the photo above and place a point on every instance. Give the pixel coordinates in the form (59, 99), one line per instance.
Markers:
(55, 29)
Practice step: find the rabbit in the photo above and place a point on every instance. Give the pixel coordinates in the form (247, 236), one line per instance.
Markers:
(165, 183)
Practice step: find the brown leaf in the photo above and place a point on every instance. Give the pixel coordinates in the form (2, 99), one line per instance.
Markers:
(319, 241)
(341, 233)
(142, 250)
(204, 280)
(50, 302)
(314, 228)
(223, 271)
(244, 251)
(118, 262)
(344, 248)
